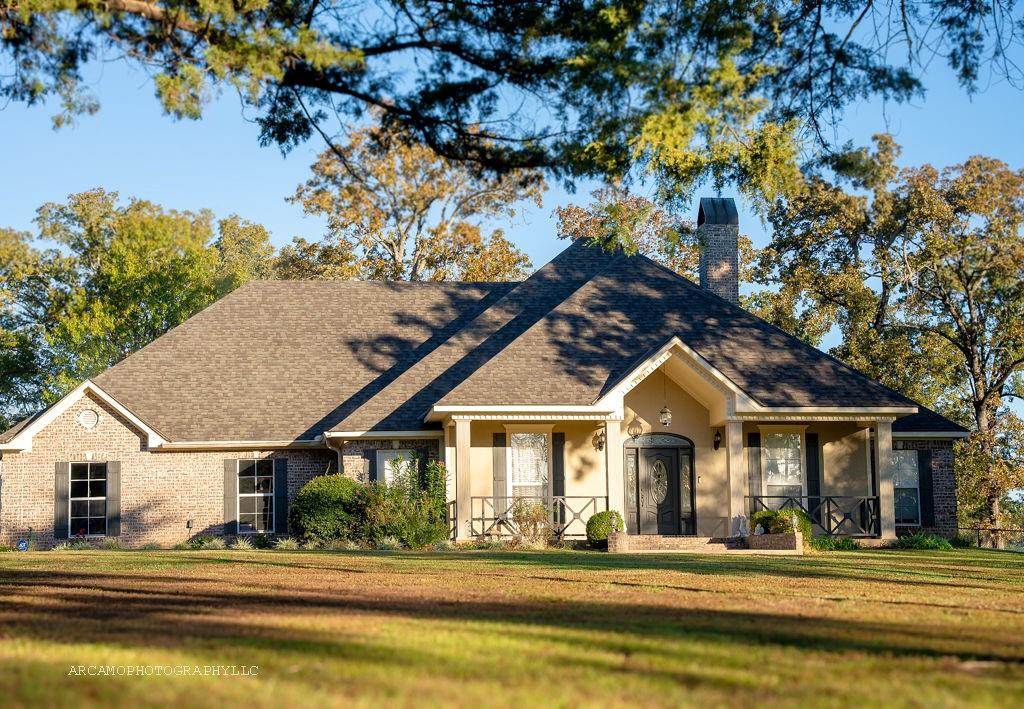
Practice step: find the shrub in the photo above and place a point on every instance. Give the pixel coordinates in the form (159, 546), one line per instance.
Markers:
(922, 540)
(287, 544)
(388, 544)
(445, 545)
(112, 544)
(327, 507)
(61, 546)
(213, 544)
(435, 485)
(533, 520)
(961, 541)
(261, 541)
(826, 543)
(492, 544)
(601, 525)
(151, 546)
(340, 545)
(200, 540)
(242, 544)
(403, 511)
(781, 522)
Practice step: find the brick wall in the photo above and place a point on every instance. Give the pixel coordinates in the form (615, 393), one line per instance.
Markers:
(356, 455)
(159, 491)
(719, 260)
(943, 481)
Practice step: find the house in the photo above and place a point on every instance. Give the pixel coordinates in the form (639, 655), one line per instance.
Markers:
(603, 381)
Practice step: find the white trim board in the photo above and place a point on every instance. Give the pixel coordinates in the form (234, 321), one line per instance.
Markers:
(23, 441)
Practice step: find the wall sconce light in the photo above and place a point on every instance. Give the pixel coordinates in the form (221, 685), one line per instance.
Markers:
(665, 416)
(718, 438)
(635, 429)
(188, 524)
(598, 440)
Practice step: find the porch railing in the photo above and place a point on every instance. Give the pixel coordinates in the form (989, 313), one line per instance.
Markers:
(831, 515)
(568, 514)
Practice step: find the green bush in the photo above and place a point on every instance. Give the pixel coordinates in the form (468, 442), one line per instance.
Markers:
(922, 540)
(199, 541)
(826, 543)
(327, 507)
(242, 544)
(435, 485)
(781, 522)
(402, 511)
(602, 524)
(287, 544)
(962, 541)
(261, 541)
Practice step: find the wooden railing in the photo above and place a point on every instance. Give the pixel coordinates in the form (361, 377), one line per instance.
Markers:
(832, 515)
(500, 516)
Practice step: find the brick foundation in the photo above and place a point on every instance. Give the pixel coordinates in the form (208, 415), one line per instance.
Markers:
(776, 542)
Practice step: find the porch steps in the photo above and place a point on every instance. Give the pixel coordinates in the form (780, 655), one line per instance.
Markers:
(659, 542)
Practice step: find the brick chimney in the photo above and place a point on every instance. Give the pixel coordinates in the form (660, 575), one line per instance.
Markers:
(718, 231)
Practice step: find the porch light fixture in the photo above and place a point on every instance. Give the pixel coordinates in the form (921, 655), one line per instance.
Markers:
(635, 429)
(665, 415)
(598, 440)
(718, 438)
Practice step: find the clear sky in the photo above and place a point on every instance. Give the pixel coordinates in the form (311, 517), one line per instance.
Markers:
(217, 163)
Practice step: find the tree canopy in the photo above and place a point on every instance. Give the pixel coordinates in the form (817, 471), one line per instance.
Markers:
(679, 91)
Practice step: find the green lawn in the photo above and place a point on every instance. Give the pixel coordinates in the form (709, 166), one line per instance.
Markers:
(516, 629)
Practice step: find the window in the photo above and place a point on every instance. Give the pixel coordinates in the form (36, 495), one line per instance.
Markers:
(88, 500)
(529, 461)
(783, 464)
(906, 487)
(255, 496)
(395, 463)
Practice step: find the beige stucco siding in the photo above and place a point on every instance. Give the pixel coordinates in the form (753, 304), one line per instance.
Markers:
(844, 457)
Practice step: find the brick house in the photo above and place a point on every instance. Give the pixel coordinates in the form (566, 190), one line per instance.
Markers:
(603, 381)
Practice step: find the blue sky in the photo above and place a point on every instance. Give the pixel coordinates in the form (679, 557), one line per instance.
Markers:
(217, 163)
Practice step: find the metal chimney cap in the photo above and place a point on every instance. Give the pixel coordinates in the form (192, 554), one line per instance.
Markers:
(718, 210)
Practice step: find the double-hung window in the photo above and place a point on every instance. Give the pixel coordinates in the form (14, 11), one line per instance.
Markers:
(255, 496)
(906, 487)
(87, 500)
(783, 459)
(529, 459)
(395, 464)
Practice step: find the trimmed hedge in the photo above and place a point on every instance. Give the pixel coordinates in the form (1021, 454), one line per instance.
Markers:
(327, 507)
(780, 522)
(599, 526)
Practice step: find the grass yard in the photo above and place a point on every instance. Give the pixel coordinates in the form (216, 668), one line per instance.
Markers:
(483, 629)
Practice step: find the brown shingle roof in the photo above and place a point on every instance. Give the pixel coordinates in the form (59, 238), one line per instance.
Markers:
(289, 360)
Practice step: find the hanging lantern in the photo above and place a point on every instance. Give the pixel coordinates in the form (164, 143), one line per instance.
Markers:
(665, 416)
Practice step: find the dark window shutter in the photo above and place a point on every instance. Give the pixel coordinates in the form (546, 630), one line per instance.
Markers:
(558, 463)
(370, 464)
(113, 498)
(500, 490)
(281, 495)
(61, 491)
(813, 476)
(231, 496)
(753, 468)
(558, 472)
(927, 491)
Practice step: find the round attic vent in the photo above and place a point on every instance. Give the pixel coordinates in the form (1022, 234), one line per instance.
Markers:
(88, 419)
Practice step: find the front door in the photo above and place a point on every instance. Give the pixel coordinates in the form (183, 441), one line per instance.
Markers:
(658, 494)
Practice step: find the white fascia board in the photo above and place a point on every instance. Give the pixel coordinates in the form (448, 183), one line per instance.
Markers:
(23, 441)
(240, 445)
(440, 413)
(432, 433)
(903, 435)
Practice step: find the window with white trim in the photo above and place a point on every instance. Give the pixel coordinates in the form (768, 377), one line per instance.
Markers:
(396, 463)
(783, 463)
(255, 496)
(529, 460)
(906, 482)
(87, 501)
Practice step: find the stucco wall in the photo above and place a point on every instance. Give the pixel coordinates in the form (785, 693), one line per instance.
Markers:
(159, 491)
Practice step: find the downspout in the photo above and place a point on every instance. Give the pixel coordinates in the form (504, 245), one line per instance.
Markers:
(327, 442)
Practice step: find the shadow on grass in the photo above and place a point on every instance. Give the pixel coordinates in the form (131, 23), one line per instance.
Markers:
(166, 611)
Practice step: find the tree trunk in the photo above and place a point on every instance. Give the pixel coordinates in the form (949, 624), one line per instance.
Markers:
(986, 422)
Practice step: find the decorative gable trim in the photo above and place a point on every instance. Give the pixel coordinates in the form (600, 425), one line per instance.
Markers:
(22, 442)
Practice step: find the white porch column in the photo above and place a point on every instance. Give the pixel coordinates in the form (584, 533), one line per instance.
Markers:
(883, 468)
(737, 476)
(613, 466)
(449, 462)
(462, 490)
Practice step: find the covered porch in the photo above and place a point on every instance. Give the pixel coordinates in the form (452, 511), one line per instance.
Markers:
(676, 452)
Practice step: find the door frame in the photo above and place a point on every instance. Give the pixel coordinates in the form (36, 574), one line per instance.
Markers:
(683, 446)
